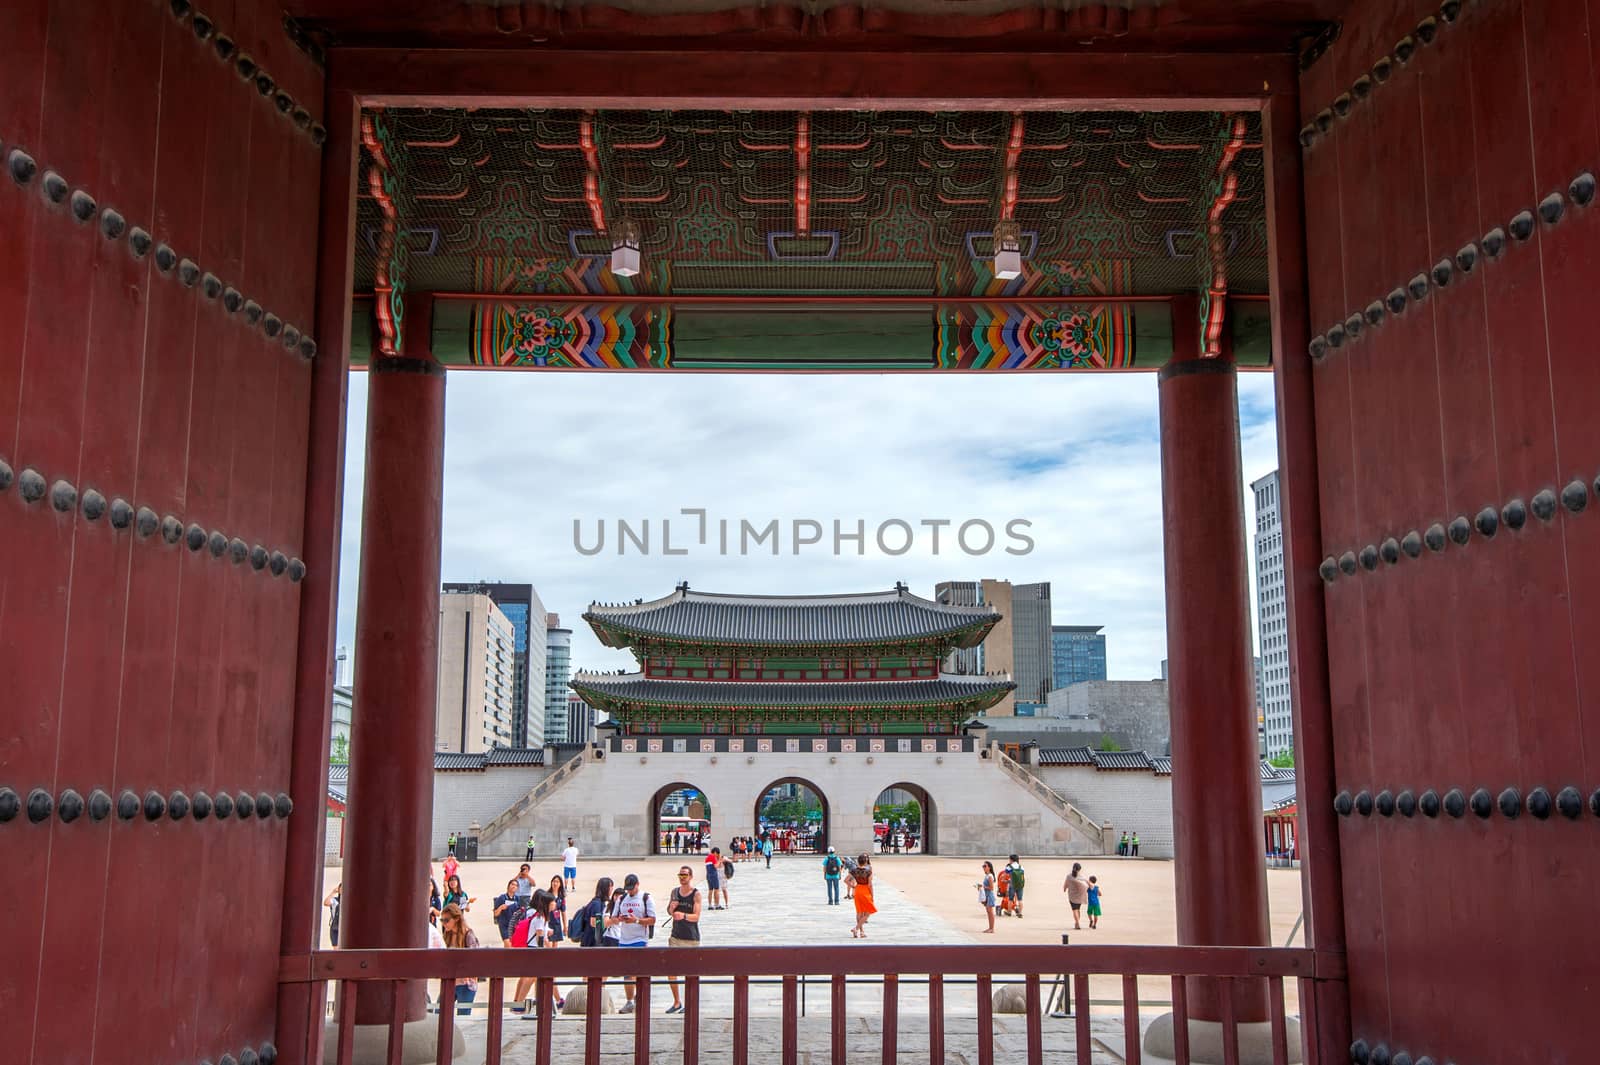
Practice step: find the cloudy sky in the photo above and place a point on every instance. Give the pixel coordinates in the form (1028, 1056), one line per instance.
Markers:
(527, 454)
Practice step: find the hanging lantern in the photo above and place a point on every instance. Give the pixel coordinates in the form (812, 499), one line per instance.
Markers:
(1007, 250)
(625, 249)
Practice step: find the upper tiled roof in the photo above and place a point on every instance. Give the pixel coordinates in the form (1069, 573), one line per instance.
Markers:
(451, 760)
(1121, 760)
(794, 620)
(1276, 775)
(1065, 756)
(638, 687)
(1162, 764)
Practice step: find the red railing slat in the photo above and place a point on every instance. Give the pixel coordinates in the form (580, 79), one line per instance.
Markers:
(891, 1019)
(1180, 1020)
(935, 1019)
(447, 1021)
(1080, 996)
(1230, 1029)
(591, 1021)
(791, 1020)
(544, 1011)
(1280, 1026)
(345, 1050)
(985, 1019)
(1035, 1019)
(492, 1035)
(641, 1020)
(836, 1018)
(1133, 1043)
(397, 1030)
(741, 1020)
(1308, 1018)
(691, 1020)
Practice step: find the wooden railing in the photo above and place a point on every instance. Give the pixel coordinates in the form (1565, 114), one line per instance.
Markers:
(1053, 799)
(345, 969)
(497, 827)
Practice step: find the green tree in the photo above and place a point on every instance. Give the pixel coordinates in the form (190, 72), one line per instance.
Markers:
(1108, 744)
(341, 751)
(1283, 760)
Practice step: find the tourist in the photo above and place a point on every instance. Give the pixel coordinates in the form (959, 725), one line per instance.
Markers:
(986, 893)
(534, 932)
(683, 906)
(454, 895)
(569, 864)
(332, 902)
(524, 886)
(459, 937)
(713, 882)
(608, 931)
(593, 915)
(507, 912)
(1134, 844)
(1077, 889)
(727, 875)
(634, 917)
(558, 888)
(451, 866)
(860, 879)
(1122, 846)
(1002, 892)
(529, 856)
(1094, 903)
(1016, 883)
(435, 900)
(450, 847)
(832, 867)
(766, 849)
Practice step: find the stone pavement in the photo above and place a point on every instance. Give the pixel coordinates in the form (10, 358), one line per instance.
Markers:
(787, 905)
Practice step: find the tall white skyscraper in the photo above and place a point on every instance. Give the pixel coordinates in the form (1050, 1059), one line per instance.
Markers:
(1271, 619)
(557, 671)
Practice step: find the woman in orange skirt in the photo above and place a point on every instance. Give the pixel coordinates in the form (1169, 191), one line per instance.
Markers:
(861, 880)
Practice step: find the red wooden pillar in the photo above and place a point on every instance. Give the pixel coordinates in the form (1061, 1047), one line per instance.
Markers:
(1216, 778)
(397, 661)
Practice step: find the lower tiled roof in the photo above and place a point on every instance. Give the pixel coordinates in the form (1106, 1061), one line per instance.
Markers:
(451, 760)
(1065, 756)
(636, 686)
(1121, 760)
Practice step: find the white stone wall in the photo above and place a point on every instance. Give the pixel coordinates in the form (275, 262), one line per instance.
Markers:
(462, 797)
(977, 808)
(332, 838)
(1131, 799)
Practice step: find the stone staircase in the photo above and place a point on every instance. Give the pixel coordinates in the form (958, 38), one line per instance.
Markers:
(491, 833)
(1069, 813)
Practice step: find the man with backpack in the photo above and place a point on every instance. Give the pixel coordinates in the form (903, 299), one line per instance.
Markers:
(634, 918)
(832, 869)
(1016, 882)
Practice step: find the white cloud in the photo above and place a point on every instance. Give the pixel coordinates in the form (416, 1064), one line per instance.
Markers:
(1076, 454)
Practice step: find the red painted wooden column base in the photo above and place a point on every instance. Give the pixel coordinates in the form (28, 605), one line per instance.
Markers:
(1216, 782)
(397, 664)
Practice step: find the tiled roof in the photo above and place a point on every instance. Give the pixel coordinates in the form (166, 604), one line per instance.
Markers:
(1272, 773)
(516, 756)
(338, 773)
(1162, 764)
(636, 686)
(1065, 756)
(1121, 760)
(798, 620)
(451, 760)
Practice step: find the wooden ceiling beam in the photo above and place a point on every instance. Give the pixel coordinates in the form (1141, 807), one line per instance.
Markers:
(760, 80)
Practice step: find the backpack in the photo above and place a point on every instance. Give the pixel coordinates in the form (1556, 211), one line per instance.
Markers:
(519, 935)
(579, 925)
(1018, 878)
(727, 868)
(831, 866)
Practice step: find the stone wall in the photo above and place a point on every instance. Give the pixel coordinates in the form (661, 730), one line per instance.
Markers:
(1133, 800)
(975, 808)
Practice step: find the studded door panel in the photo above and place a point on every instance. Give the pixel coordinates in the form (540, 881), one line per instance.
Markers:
(158, 227)
(1449, 153)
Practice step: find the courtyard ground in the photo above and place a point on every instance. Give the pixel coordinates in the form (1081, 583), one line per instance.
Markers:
(921, 900)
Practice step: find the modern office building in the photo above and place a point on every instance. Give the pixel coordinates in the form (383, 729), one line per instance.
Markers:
(1271, 620)
(1077, 653)
(521, 606)
(477, 674)
(1032, 652)
(557, 671)
(580, 720)
(994, 654)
